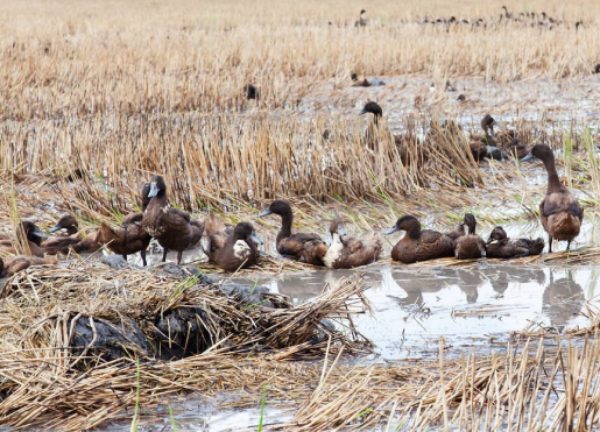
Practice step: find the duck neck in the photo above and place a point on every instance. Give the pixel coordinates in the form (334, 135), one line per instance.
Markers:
(71, 230)
(554, 183)
(287, 219)
(414, 231)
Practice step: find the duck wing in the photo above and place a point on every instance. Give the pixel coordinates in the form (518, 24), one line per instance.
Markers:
(308, 248)
(132, 218)
(561, 201)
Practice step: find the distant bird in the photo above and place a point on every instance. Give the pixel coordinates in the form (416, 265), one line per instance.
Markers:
(461, 98)
(402, 141)
(507, 14)
(597, 68)
(361, 21)
(560, 211)
(251, 92)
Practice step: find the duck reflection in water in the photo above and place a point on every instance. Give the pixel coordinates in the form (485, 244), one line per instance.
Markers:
(562, 300)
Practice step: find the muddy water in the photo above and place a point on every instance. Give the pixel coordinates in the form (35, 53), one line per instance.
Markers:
(467, 308)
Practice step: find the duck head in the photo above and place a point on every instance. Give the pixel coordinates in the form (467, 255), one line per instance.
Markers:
(337, 227)
(279, 207)
(362, 11)
(541, 151)
(245, 231)
(373, 108)
(408, 223)
(354, 76)
(488, 123)
(32, 232)
(158, 187)
(145, 198)
(497, 233)
(67, 221)
(470, 222)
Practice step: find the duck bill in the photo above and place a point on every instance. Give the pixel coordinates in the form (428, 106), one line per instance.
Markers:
(527, 157)
(265, 212)
(391, 230)
(57, 227)
(489, 240)
(362, 111)
(153, 190)
(255, 238)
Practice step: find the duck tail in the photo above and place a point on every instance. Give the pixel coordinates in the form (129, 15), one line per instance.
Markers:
(213, 225)
(107, 233)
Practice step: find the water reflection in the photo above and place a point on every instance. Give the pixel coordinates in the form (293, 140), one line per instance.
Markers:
(493, 299)
(563, 299)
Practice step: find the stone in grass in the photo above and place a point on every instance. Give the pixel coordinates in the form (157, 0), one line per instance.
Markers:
(115, 262)
(249, 295)
(184, 272)
(98, 338)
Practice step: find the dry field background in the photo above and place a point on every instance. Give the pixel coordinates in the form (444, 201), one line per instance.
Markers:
(123, 90)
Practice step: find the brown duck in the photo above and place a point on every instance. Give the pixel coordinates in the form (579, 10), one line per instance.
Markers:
(560, 211)
(469, 246)
(29, 237)
(417, 244)
(500, 246)
(308, 248)
(10, 266)
(129, 238)
(347, 252)
(231, 249)
(403, 142)
(173, 228)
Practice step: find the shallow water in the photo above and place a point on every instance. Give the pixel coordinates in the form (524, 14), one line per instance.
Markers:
(415, 308)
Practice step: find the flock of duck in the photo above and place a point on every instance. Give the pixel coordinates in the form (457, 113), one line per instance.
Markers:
(232, 248)
(530, 19)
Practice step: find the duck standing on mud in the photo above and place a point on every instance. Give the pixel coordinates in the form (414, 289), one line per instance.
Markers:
(130, 237)
(560, 211)
(308, 248)
(171, 227)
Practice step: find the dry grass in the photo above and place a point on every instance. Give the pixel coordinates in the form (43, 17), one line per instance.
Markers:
(123, 90)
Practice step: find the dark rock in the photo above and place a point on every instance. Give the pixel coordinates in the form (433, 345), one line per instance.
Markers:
(184, 272)
(107, 340)
(182, 332)
(115, 262)
(250, 295)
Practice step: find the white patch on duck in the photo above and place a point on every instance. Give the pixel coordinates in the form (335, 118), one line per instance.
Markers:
(334, 251)
(241, 249)
(165, 209)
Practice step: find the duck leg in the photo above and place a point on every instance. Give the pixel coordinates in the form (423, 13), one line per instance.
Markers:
(179, 256)
(124, 257)
(569, 245)
(165, 251)
(143, 254)
(549, 243)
